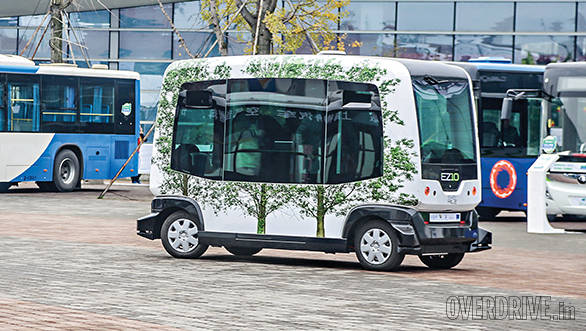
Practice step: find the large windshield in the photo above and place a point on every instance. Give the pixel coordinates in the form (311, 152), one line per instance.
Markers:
(568, 124)
(568, 119)
(444, 112)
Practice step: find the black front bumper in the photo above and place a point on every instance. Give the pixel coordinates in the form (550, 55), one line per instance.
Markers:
(431, 238)
(149, 226)
(447, 244)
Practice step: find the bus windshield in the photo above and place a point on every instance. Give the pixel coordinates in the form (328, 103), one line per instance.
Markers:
(569, 120)
(570, 128)
(444, 112)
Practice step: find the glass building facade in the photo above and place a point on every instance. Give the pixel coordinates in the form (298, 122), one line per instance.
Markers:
(141, 38)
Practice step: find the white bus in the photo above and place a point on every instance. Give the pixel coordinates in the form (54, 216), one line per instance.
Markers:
(329, 153)
(563, 136)
(566, 180)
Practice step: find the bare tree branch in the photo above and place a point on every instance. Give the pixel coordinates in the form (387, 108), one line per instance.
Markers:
(217, 28)
(307, 35)
(40, 40)
(225, 28)
(35, 33)
(248, 17)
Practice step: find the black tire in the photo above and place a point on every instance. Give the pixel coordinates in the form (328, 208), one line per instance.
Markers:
(552, 218)
(371, 254)
(47, 186)
(243, 251)
(486, 213)
(66, 172)
(176, 222)
(445, 261)
(4, 187)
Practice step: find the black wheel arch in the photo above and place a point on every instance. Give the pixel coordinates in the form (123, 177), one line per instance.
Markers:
(165, 205)
(399, 217)
(77, 151)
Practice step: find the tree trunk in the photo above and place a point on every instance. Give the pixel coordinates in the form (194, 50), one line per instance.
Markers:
(265, 39)
(321, 213)
(56, 43)
(185, 185)
(262, 210)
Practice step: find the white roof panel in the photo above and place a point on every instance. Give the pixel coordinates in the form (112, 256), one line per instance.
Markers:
(84, 72)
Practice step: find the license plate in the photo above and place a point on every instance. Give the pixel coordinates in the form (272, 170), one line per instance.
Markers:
(578, 201)
(446, 217)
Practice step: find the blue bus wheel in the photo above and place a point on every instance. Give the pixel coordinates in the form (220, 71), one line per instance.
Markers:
(66, 171)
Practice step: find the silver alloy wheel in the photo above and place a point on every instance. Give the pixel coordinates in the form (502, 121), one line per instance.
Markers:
(376, 246)
(67, 171)
(182, 235)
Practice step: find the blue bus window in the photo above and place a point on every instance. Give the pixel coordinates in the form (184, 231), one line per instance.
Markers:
(124, 114)
(97, 102)
(23, 103)
(59, 104)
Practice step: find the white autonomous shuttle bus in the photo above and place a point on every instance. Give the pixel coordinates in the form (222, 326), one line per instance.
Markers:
(326, 153)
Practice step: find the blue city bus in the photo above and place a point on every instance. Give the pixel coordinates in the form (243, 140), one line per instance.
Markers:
(509, 143)
(60, 124)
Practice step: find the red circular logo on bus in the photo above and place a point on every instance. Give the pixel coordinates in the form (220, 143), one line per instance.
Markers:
(499, 191)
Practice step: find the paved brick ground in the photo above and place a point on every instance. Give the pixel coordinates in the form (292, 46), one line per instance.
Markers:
(26, 315)
(70, 261)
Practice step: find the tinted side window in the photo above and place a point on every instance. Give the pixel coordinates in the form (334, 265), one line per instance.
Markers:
(23, 103)
(198, 136)
(278, 131)
(500, 82)
(354, 133)
(125, 110)
(275, 130)
(97, 101)
(59, 103)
